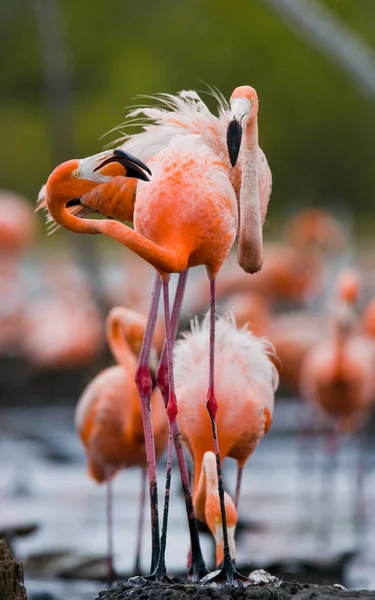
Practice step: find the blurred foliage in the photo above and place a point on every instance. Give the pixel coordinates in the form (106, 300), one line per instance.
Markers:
(315, 127)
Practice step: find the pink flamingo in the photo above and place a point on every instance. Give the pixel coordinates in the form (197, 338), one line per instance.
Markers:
(245, 385)
(109, 419)
(337, 374)
(186, 216)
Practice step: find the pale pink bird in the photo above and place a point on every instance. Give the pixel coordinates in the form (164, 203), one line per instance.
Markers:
(338, 377)
(185, 216)
(17, 223)
(63, 328)
(293, 335)
(337, 374)
(245, 385)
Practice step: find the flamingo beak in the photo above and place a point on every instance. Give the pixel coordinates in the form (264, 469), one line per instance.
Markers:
(133, 166)
(234, 136)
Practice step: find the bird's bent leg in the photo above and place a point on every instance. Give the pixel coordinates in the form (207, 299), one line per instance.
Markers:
(238, 485)
(197, 567)
(144, 385)
(142, 502)
(110, 569)
(161, 571)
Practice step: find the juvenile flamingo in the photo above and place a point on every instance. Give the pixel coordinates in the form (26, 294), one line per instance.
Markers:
(184, 217)
(109, 418)
(245, 385)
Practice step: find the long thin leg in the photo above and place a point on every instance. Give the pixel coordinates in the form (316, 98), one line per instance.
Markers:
(198, 567)
(161, 571)
(110, 569)
(238, 485)
(328, 488)
(141, 518)
(227, 571)
(144, 385)
(360, 512)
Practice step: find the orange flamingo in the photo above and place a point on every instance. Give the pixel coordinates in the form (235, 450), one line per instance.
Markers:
(337, 374)
(245, 385)
(293, 335)
(186, 216)
(106, 188)
(17, 225)
(109, 419)
(63, 327)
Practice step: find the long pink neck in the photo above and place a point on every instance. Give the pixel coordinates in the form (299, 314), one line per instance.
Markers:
(116, 331)
(250, 243)
(205, 484)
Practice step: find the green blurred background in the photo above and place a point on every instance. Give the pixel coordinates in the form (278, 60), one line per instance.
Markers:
(70, 67)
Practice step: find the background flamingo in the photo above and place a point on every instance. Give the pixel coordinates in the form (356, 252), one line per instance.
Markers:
(337, 374)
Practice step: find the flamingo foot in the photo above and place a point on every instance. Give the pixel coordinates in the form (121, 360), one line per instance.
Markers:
(197, 569)
(228, 575)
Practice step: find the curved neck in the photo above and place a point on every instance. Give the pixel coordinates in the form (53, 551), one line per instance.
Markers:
(250, 243)
(340, 338)
(206, 483)
(59, 213)
(118, 332)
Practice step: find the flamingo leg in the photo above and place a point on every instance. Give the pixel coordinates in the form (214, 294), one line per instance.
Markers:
(141, 518)
(227, 571)
(144, 385)
(197, 567)
(160, 572)
(238, 485)
(360, 512)
(328, 487)
(110, 569)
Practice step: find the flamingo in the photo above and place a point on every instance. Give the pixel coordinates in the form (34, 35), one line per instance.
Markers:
(337, 374)
(186, 216)
(245, 384)
(17, 225)
(105, 187)
(108, 416)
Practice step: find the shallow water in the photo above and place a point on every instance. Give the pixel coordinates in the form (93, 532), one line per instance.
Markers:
(286, 511)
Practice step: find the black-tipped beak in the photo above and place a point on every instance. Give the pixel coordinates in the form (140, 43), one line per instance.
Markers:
(133, 166)
(234, 136)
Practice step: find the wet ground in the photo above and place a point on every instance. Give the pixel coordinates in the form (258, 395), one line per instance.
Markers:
(296, 518)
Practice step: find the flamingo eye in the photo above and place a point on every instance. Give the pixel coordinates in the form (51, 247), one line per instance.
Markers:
(76, 174)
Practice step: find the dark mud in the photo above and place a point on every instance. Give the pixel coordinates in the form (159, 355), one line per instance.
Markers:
(180, 590)
(11, 576)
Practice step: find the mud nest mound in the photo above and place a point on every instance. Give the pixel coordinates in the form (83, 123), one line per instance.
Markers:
(142, 589)
(11, 575)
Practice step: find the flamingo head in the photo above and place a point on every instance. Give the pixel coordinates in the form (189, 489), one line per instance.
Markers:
(215, 524)
(244, 108)
(74, 178)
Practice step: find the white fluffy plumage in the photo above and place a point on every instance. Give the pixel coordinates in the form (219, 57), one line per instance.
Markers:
(182, 114)
(234, 348)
